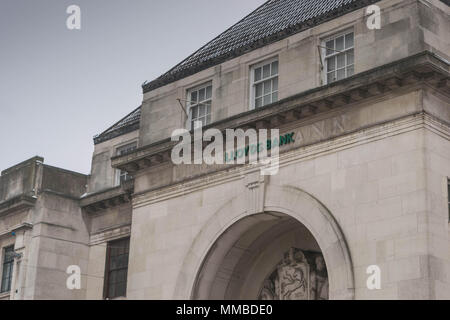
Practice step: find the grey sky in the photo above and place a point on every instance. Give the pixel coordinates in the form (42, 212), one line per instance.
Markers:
(60, 87)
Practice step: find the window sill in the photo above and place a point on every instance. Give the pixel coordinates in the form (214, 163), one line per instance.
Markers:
(117, 298)
(5, 295)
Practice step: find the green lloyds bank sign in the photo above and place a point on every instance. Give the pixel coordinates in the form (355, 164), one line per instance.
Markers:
(257, 148)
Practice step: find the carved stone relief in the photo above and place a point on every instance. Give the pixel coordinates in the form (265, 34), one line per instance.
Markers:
(301, 275)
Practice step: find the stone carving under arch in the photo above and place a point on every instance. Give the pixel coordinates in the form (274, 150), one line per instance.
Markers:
(287, 200)
(301, 275)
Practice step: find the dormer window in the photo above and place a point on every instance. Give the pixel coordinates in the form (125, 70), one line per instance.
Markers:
(199, 105)
(339, 56)
(264, 83)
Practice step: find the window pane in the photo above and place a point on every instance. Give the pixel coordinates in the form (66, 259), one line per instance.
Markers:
(350, 71)
(208, 118)
(275, 84)
(266, 71)
(118, 268)
(267, 99)
(340, 60)
(112, 263)
(267, 86)
(124, 176)
(331, 64)
(275, 96)
(122, 276)
(257, 74)
(208, 92)
(258, 102)
(350, 57)
(341, 74)
(202, 110)
(330, 46)
(122, 261)
(9, 254)
(126, 149)
(194, 96)
(194, 112)
(112, 292)
(201, 94)
(274, 68)
(349, 40)
(330, 77)
(340, 43)
(258, 90)
(112, 277)
(8, 262)
(121, 289)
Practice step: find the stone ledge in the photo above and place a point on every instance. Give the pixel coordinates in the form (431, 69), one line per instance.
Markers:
(25, 163)
(422, 68)
(110, 234)
(17, 203)
(377, 131)
(21, 226)
(108, 198)
(5, 296)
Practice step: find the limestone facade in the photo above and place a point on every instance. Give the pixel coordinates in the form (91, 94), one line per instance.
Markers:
(364, 183)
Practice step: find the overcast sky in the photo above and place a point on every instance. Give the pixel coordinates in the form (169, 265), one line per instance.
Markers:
(60, 87)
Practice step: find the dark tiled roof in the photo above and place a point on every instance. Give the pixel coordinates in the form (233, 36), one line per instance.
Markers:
(127, 124)
(273, 21)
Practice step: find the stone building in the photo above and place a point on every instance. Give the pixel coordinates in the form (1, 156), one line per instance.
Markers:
(364, 183)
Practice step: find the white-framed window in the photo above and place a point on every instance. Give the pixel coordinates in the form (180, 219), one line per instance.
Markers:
(199, 105)
(339, 56)
(123, 176)
(116, 269)
(7, 269)
(264, 83)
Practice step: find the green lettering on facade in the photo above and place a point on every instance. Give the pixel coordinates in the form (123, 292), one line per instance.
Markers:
(279, 141)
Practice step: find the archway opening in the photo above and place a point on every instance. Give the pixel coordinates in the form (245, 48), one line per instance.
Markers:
(264, 256)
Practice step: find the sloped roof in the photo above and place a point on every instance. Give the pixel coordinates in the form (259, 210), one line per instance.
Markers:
(127, 124)
(273, 21)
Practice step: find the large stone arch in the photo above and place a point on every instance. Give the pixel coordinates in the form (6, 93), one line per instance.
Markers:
(287, 200)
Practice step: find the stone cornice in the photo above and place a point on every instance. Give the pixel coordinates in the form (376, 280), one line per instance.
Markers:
(425, 68)
(59, 194)
(16, 228)
(108, 198)
(411, 122)
(110, 234)
(18, 203)
(25, 163)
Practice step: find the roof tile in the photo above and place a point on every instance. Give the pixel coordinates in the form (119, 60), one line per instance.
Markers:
(129, 123)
